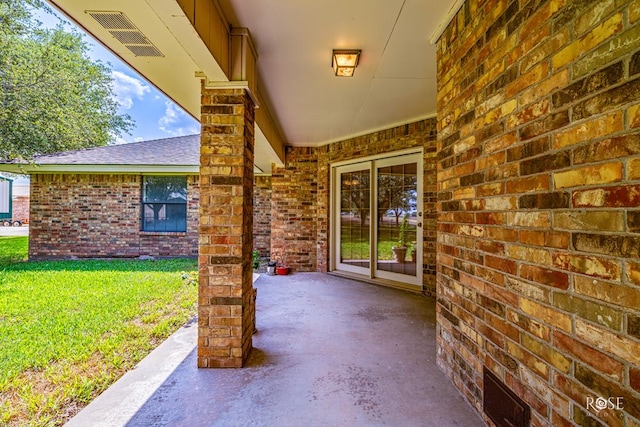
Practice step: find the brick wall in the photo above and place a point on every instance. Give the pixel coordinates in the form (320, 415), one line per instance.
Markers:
(21, 208)
(262, 215)
(293, 210)
(539, 205)
(75, 215)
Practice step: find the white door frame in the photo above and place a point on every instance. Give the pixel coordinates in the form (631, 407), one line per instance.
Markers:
(372, 163)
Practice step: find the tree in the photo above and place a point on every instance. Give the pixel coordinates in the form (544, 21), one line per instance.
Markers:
(356, 195)
(53, 97)
(160, 190)
(396, 195)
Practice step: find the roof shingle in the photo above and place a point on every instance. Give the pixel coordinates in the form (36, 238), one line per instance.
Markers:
(181, 150)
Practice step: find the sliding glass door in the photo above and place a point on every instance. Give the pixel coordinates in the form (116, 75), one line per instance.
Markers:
(378, 219)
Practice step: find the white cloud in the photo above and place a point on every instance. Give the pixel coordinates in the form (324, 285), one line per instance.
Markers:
(126, 88)
(173, 120)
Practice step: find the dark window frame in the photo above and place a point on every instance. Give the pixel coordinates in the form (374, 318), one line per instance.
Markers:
(166, 214)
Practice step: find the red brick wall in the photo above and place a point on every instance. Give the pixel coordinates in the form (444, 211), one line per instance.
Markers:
(293, 209)
(539, 205)
(262, 215)
(75, 215)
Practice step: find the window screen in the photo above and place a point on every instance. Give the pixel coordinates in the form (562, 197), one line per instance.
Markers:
(164, 203)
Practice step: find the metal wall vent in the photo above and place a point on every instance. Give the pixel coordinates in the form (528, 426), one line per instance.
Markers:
(502, 405)
(123, 30)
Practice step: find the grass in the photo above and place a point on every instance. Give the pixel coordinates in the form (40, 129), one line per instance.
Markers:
(355, 244)
(13, 249)
(69, 329)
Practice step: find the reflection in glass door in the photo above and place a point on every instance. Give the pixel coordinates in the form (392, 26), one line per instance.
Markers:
(397, 219)
(386, 193)
(354, 234)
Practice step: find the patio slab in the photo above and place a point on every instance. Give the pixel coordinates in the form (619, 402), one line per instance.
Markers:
(329, 351)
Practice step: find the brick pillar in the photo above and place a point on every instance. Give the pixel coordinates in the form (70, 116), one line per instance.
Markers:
(225, 303)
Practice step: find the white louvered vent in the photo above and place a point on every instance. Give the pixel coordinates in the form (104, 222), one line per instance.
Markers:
(130, 37)
(112, 20)
(144, 50)
(123, 30)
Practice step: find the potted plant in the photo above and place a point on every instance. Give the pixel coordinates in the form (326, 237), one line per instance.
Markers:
(400, 250)
(282, 269)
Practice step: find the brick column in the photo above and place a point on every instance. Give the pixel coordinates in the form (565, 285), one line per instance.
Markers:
(225, 303)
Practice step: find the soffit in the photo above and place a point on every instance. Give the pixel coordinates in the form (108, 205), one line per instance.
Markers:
(395, 82)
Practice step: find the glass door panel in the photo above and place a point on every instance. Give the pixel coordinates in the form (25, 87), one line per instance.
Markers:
(398, 219)
(354, 211)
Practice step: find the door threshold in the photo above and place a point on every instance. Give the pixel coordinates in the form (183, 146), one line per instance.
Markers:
(416, 289)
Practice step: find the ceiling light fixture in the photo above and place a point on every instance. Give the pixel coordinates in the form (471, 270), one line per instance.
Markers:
(344, 62)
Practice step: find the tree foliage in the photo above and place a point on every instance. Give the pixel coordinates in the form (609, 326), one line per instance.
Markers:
(53, 97)
(355, 194)
(396, 194)
(159, 190)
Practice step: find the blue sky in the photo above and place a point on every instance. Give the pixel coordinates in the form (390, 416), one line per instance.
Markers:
(154, 115)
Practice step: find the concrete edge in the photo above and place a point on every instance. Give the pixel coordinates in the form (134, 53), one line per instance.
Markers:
(134, 388)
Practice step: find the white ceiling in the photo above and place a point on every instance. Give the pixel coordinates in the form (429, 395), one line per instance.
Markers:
(395, 82)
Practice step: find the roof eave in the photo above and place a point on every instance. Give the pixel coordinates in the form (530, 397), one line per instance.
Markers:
(31, 169)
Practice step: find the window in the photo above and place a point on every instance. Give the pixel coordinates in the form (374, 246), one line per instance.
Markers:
(164, 203)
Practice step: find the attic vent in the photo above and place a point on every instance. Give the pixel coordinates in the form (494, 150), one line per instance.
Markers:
(130, 37)
(123, 30)
(112, 20)
(144, 50)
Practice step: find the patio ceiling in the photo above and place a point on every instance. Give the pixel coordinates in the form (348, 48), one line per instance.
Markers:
(395, 82)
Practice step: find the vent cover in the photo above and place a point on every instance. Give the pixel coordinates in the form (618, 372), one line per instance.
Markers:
(502, 405)
(130, 37)
(123, 30)
(144, 50)
(112, 20)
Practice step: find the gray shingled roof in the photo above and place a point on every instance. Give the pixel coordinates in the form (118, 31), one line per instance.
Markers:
(180, 150)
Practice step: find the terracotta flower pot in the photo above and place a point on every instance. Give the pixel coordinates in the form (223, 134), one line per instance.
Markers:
(399, 253)
(282, 271)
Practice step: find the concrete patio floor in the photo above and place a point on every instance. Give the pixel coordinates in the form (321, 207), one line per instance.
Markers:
(329, 351)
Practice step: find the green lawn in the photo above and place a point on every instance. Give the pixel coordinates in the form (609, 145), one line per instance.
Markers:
(13, 249)
(355, 242)
(68, 329)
